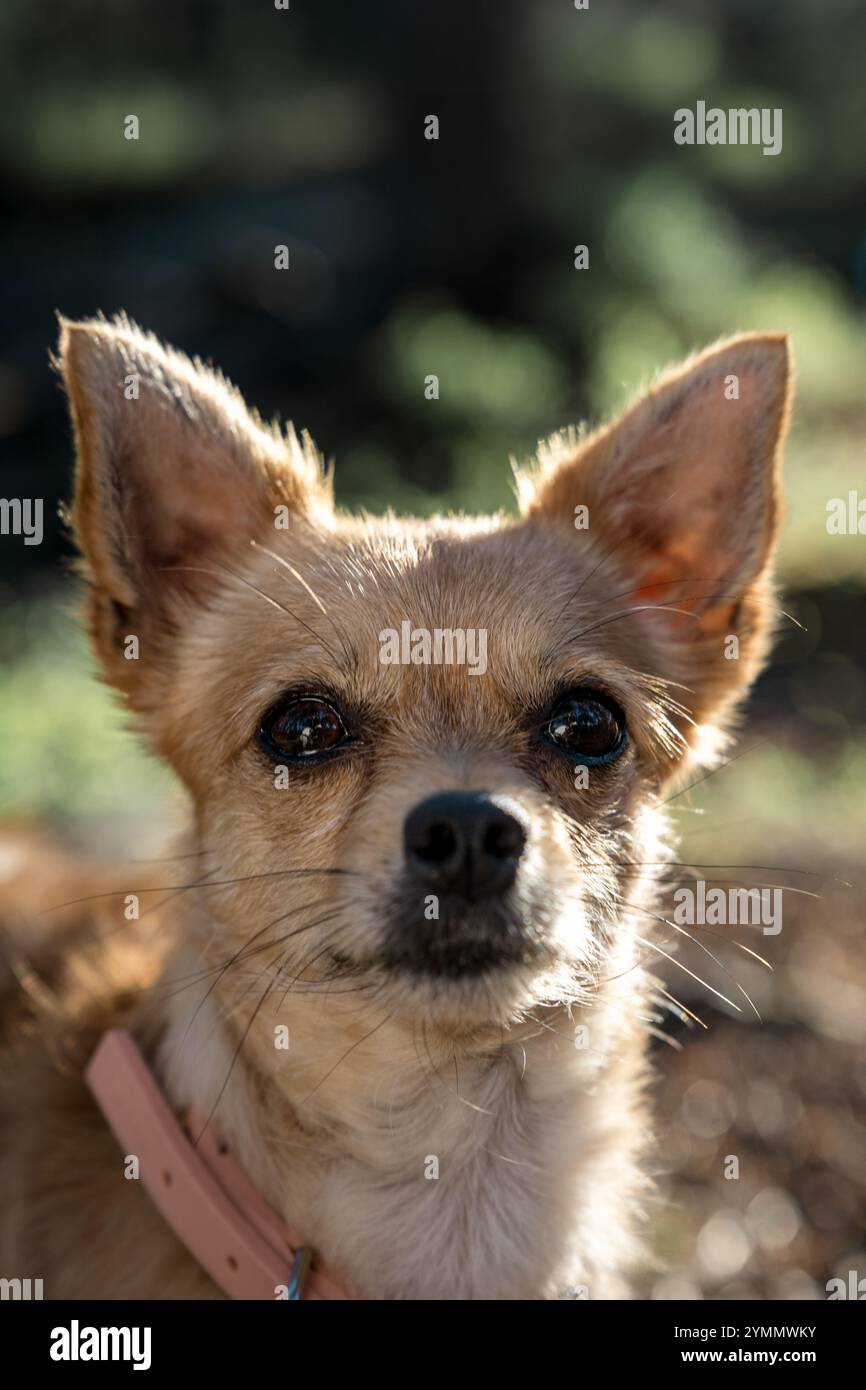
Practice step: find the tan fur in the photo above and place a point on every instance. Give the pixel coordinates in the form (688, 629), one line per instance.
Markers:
(541, 1145)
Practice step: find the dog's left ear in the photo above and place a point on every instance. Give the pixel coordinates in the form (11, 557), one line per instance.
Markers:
(682, 494)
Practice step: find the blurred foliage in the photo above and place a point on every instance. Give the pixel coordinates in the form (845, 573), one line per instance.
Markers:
(66, 749)
(451, 258)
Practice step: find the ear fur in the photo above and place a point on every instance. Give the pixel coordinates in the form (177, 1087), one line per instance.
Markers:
(172, 472)
(682, 493)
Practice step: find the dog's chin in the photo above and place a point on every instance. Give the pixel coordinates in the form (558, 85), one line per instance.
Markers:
(463, 942)
(473, 964)
(460, 940)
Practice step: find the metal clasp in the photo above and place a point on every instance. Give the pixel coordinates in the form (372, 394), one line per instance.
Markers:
(298, 1277)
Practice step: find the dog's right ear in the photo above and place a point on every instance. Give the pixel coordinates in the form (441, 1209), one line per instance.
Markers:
(174, 477)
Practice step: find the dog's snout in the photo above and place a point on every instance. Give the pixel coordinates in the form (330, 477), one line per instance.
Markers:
(463, 843)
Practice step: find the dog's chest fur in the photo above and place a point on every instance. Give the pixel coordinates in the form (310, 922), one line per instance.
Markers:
(510, 1175)
(518, 1207)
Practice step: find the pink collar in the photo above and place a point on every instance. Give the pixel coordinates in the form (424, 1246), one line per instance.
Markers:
(198, 1186)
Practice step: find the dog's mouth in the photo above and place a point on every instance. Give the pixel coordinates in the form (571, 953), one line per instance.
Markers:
(462, 942)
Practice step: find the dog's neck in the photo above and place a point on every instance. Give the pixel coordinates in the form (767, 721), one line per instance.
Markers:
(401, 1156)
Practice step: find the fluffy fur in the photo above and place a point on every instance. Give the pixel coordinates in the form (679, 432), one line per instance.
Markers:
(290, 895)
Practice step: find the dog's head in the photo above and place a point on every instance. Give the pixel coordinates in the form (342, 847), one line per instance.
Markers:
(425, 758)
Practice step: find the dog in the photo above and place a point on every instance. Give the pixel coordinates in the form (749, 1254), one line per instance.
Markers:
(401, 961)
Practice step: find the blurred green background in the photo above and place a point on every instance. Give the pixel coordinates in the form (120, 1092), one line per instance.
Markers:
(454, 257)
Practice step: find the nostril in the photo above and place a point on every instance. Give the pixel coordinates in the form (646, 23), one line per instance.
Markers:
(437, 845)
(504, 839)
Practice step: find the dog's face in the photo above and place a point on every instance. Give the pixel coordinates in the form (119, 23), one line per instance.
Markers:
(425, 758)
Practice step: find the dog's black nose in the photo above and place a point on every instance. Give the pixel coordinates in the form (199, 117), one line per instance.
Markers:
(463, 843)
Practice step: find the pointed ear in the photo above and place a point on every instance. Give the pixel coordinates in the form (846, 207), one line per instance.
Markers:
(683, 496)
(174, 475)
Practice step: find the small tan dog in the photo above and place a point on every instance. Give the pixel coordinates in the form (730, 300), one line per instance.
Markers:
(406, 973)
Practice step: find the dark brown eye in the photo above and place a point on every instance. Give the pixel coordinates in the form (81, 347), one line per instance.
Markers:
(302, 727)
(587, 726)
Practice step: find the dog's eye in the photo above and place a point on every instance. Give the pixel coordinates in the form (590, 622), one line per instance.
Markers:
(301, 727)
(587, 726)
